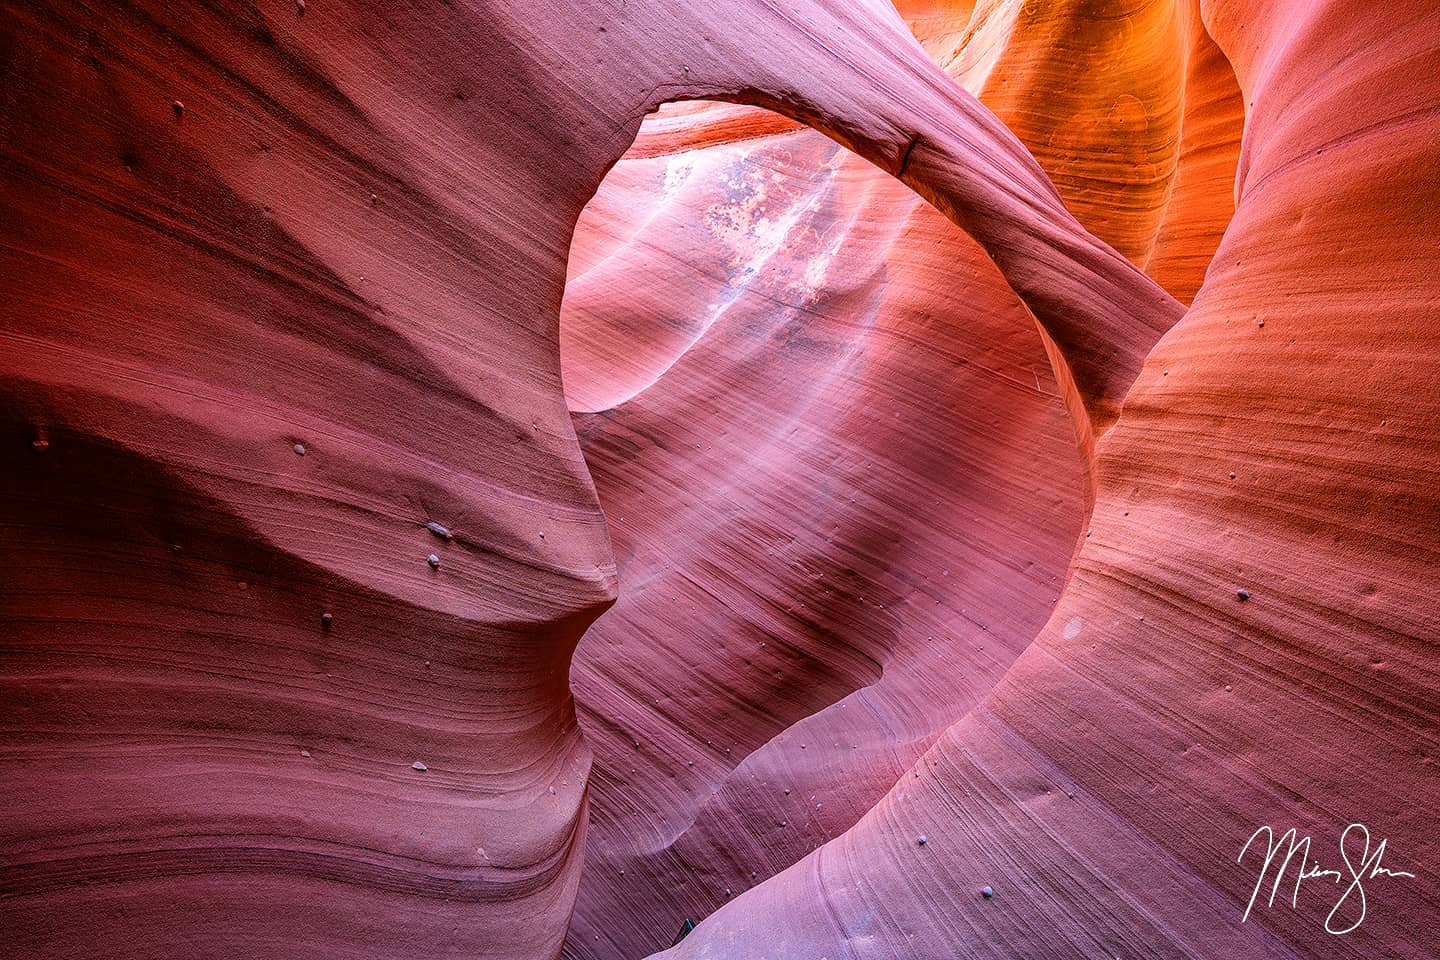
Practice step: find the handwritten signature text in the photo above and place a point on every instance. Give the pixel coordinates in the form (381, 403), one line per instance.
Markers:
(1361, 866)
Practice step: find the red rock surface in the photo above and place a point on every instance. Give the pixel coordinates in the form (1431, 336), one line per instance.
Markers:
(843, 493)
(283, 284)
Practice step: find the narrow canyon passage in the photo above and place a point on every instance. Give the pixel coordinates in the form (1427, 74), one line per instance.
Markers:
(782, 360)
(843, 492)
(920, 479)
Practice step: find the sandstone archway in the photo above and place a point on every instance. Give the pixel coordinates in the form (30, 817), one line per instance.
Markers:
(233, 242)
(843, 490)
(233, 232)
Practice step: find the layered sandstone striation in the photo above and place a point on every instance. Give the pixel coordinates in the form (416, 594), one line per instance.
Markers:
(980, 446)
(843, 490)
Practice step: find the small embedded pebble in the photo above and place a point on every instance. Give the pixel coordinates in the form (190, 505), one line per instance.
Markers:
(986, 892)
(299, 449)
(178, 107)
(434, 561)
(374, 199)
(542, 534)
(39, 446)
(923, 840)
(1243, 594)
(1232, 475)
(326, 618)
(300, 7)
(439, 529)
(304, 753)
(417, 765)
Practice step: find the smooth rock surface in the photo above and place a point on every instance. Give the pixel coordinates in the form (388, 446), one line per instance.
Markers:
(923, 518)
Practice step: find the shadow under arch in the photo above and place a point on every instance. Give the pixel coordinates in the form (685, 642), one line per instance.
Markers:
(843, 490)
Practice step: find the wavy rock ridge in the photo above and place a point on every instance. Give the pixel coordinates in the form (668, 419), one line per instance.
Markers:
(930, 508)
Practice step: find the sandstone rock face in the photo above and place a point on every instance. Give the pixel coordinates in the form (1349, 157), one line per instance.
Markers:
(937, 497)
(843, 491)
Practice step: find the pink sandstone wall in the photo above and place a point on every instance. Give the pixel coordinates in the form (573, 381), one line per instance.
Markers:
(887, 465)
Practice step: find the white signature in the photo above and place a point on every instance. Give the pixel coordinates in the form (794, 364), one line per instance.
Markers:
(1366, 866)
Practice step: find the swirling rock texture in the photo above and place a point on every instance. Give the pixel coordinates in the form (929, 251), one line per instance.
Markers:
(1020, 435)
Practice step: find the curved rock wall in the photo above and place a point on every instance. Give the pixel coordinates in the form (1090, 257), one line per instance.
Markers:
(843, 499)
(281, 319)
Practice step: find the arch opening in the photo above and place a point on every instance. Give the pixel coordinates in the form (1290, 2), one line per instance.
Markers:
(843, 489)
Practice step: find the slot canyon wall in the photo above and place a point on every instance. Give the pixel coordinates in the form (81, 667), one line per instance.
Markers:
(456, 506)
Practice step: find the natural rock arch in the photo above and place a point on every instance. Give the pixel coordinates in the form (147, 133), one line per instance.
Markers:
(325, 187)
(238, 229)
(843, 489)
